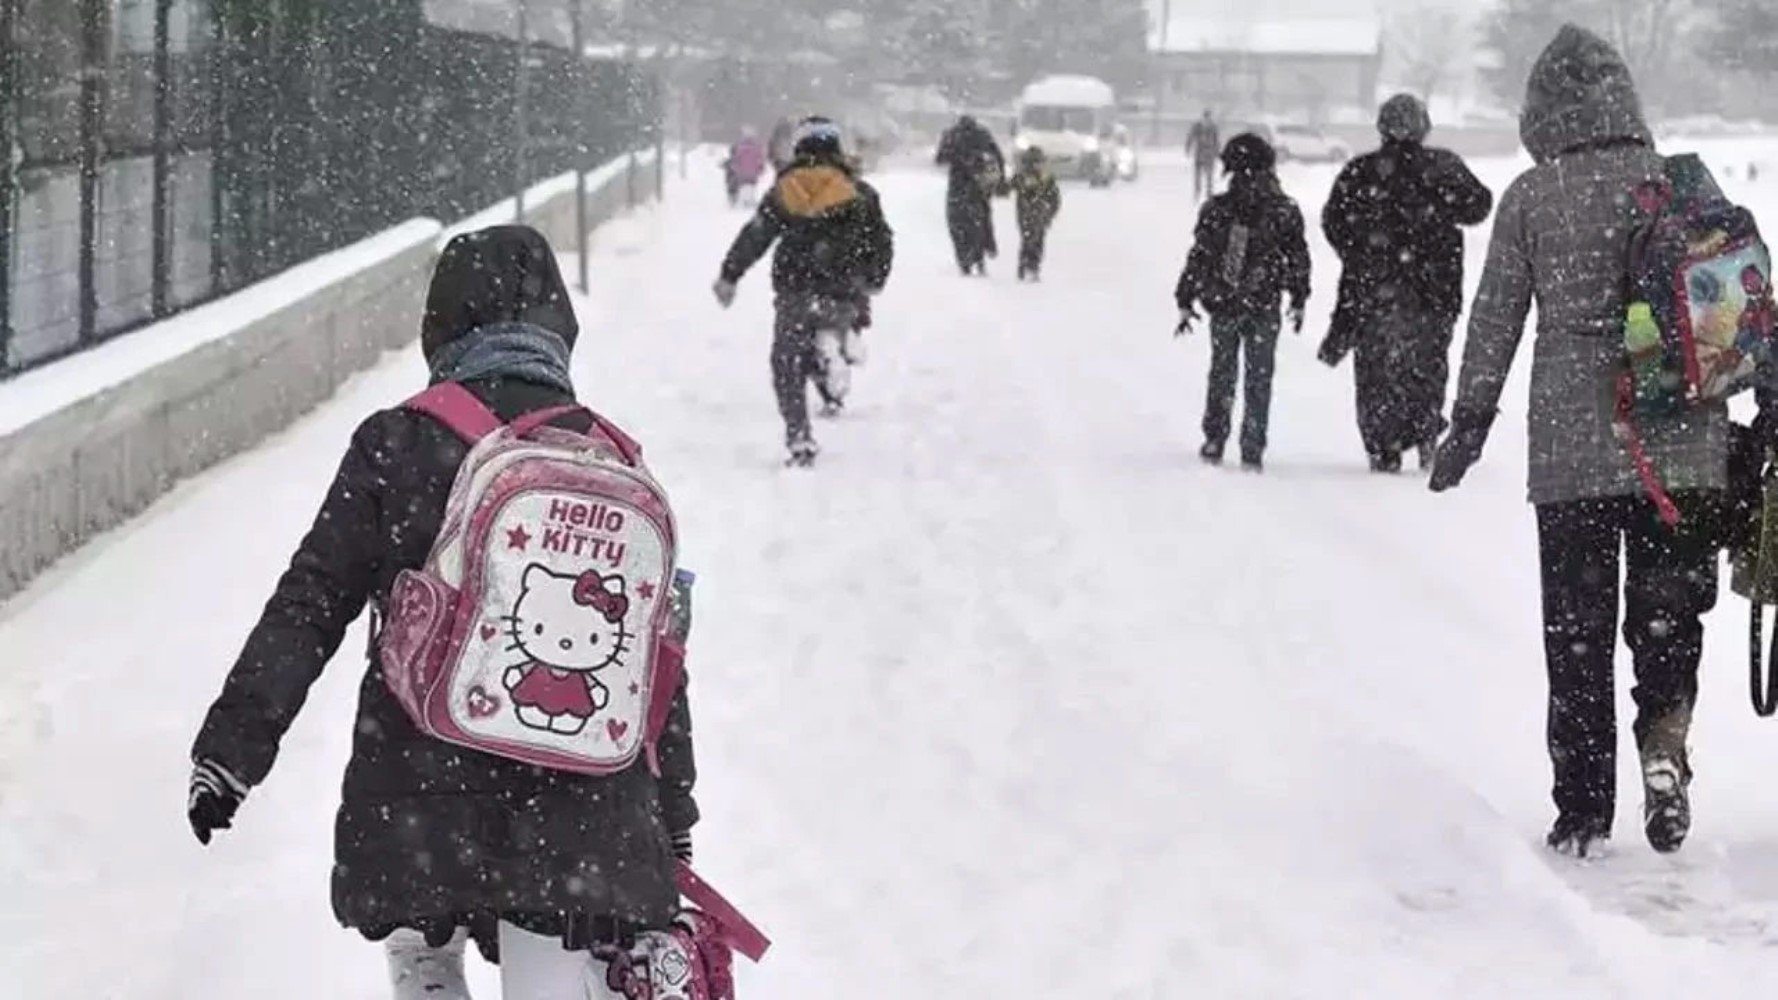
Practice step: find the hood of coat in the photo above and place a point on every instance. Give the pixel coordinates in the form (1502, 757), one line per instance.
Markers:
(492, 279)
(816, 189)
(1580, 94)
(1404, 119)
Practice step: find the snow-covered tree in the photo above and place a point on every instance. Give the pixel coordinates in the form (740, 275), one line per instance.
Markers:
(1743, 34)
(1430, 42)
(1654, 36)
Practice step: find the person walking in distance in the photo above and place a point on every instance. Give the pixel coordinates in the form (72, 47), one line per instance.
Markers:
(835, 251)
(1393, 218)
(977, 171)
(1561, 239)
(1037, 199)
(1249, 254)
(1203, 144)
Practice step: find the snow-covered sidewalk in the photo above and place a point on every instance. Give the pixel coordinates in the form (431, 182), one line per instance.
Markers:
(1010, 697)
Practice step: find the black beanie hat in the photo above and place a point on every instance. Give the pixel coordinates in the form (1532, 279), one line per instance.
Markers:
(1403, 118)
(1249, 154)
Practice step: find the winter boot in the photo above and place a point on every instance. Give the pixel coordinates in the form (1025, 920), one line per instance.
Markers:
(1252, 462)
(1386, 463)
(802, 452)
(1579, 836)
(1666, 778)
(1211, 453)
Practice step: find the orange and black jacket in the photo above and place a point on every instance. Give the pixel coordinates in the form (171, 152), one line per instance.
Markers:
(832, 238)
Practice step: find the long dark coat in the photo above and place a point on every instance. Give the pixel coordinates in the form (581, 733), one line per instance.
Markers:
(977, 167)
(1394, 219)
(430, 835)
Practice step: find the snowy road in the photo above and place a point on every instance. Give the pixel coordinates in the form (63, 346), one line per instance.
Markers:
(1010, 697)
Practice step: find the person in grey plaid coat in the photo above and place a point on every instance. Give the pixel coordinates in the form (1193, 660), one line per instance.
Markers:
(1561, 239)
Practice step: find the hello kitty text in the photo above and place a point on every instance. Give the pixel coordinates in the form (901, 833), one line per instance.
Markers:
(578, 529)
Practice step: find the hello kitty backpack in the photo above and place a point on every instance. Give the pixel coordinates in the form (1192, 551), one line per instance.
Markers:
(538, 628)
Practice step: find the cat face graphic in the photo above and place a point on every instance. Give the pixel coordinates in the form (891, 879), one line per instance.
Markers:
(570, 622)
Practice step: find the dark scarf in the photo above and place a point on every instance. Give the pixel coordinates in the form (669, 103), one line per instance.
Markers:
(506, 350)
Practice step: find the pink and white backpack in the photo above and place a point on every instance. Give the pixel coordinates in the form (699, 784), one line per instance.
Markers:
(538, 628)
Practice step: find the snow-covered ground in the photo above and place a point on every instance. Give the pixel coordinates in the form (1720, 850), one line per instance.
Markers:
(1010, 697)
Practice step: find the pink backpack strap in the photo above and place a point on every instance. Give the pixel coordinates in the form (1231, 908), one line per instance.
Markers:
(457, 408)
(626, 445)
(738, 932)
(1645, 466)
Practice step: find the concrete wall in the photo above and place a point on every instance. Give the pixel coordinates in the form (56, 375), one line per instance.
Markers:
(128, 420)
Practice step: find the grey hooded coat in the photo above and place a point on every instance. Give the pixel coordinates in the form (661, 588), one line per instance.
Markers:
(1561, 240)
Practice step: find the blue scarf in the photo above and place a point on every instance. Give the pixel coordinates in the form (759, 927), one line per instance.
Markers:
(506, 350)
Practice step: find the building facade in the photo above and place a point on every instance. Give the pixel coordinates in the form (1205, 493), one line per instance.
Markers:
(1314, 71)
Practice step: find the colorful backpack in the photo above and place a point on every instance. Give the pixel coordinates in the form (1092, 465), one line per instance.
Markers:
(1699, 327)
(539, 628)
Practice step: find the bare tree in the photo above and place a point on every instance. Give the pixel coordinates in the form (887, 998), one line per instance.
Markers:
(1430, 42)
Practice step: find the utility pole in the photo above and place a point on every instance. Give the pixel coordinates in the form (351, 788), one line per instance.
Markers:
(10, 155)
(521, 137)
(576, 11)
(1158, 69)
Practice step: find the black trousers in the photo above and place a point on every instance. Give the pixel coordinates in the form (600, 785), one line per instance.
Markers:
(1403, 370)
(1032, 239)
(1670, 582)
(1254, 335)
(970, 216)
(796, 358)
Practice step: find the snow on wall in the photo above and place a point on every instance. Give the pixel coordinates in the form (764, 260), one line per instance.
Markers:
(87, 442)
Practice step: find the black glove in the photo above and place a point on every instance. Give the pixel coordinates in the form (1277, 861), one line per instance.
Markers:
(1460, 450)
(215, 795)
(1296, 314)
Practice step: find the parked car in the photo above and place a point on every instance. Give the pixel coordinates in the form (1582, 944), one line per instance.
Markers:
(1307, 144)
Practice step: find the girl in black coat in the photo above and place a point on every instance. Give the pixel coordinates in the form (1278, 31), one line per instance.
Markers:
(431, 838)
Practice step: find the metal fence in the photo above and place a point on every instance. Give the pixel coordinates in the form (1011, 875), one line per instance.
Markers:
(165, 152)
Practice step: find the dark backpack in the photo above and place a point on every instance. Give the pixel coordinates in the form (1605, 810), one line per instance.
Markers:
(1241, 262)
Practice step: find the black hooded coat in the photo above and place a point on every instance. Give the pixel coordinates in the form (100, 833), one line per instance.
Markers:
(977, 168)
(1394, 218)
(430, 835)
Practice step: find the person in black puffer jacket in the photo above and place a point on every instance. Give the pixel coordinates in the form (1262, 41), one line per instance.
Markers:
(1249, 253)
(835, 251)
(1394, 218)
(432, 838)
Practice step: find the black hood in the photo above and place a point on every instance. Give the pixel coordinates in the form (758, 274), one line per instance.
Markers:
(503, 274)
